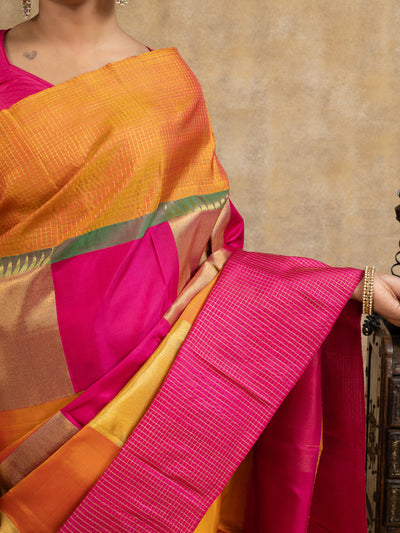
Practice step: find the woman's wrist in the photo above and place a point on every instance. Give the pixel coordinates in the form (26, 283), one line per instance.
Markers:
(364, 291)
(358, 292)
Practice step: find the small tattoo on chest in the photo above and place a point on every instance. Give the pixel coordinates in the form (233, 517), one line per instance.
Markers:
(30, 55)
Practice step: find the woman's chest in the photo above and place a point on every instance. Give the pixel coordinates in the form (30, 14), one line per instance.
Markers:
(56, 65)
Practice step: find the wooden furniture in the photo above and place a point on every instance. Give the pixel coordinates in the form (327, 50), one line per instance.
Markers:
(383, 430)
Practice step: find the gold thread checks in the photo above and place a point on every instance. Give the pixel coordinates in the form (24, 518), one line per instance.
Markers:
(368, 290)
(64, 181)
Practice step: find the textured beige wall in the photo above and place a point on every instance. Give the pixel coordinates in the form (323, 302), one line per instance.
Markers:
(304, 97)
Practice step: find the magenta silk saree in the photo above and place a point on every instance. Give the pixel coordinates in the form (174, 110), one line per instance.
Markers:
(156, 377)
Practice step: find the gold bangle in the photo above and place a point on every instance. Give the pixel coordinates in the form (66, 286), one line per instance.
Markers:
(368, 290)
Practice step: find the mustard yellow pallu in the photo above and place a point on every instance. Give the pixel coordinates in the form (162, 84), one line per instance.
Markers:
(126, 290)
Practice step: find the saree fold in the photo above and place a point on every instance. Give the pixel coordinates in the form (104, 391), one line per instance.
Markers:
(155, 377)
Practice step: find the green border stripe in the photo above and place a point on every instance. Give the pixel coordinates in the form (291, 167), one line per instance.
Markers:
(111, 235)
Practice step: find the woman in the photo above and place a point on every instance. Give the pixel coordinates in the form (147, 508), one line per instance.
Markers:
(144, 354)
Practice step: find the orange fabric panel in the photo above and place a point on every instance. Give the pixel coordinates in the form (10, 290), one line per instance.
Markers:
(43, 500)
(18, 423)
(234, 498)
(210, 521)
(75, 171)
(35, 449)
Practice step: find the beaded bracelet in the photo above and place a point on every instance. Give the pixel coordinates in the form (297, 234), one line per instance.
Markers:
(368, 290)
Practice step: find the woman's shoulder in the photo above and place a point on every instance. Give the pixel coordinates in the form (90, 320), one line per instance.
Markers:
(18, 32)
(135, 46)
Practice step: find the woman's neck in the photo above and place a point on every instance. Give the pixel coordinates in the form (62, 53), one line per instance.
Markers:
(68, 38)
(75, 23)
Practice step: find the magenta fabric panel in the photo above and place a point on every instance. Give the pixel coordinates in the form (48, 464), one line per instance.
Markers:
(339, 501)
(283, 461)
(109, 300)
(241, 359)
(234, 231)
(286, 458)
(88, 404)
(15, 83)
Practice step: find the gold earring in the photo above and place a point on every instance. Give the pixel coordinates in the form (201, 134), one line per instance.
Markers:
(121, 2)
(27, 5)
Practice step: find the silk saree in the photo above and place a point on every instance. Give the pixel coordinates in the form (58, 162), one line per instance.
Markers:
(154, 376)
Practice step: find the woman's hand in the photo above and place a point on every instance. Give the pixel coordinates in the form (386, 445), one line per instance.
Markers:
(386, 296)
